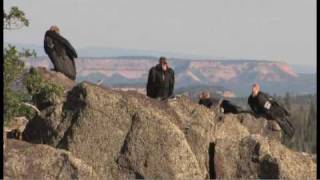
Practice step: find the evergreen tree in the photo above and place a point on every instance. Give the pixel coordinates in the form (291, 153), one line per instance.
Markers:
(14, 67)
(287, 101)
(311, 125)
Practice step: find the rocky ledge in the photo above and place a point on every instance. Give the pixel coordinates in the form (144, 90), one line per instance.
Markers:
(93, 132)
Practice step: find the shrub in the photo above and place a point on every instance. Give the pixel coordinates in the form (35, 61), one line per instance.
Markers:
(43, 93)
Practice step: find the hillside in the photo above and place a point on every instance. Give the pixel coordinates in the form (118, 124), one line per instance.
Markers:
(93, 132)
(233, 75)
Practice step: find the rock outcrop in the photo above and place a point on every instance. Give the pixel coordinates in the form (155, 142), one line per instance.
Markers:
(256, 157)
(125, 135)
(55, 77)
(23, 160)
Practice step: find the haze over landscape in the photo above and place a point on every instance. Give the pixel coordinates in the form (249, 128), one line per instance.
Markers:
(267, 30)
(271, 42)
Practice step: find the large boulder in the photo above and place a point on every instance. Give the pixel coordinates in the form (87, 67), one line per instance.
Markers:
(273, 160)
(259, 125)
(55, 77)
(198, 125)
(96, 123)
(23, 160)
(156, 148)
(256, 157)
(228, 134)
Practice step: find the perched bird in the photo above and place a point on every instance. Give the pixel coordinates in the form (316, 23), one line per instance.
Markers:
(60, 52)
(161, 81)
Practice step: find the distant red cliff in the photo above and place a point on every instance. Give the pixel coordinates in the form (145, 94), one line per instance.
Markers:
(215, 71)
(235, 75)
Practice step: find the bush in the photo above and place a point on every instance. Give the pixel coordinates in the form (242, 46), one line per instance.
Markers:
(13, 106)
(14, 98)
(39, 91)
(42, 93)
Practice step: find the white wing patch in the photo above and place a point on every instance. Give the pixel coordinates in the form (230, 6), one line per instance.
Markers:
(267, 105)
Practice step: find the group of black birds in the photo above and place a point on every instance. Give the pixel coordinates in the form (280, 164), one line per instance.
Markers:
(161, 81)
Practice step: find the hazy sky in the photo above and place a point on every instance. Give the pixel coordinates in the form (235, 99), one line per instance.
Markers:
(281, 30)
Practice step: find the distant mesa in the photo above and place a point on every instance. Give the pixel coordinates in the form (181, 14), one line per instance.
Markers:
(233, 75)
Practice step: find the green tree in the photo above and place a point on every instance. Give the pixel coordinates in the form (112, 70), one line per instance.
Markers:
(287, 101)
(14, 68)
(14, 19)
(311, 134)
(14, 98)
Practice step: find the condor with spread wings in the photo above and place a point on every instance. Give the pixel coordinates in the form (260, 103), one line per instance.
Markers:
(60, 52)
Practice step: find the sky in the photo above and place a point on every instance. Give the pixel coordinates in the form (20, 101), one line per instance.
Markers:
(278, 30)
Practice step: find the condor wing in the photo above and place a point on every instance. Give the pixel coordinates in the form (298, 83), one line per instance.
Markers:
(71, 52)
(69, 49)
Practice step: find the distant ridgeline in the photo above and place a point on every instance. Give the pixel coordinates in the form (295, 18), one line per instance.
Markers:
(233, 77)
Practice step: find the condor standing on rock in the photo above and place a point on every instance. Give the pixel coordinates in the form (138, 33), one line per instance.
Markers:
(160, 80)
(60, 52)
(224, 105)
(263, 104)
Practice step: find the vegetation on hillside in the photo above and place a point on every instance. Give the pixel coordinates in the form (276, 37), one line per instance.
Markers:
(304, 118)
(41, 90)
(14, 68)
(16, 77)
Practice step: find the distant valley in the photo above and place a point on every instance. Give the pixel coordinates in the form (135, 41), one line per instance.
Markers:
(232, 77)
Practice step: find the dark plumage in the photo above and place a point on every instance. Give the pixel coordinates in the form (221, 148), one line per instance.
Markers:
(61, 54)
(160, 83)
(265, 105)
(226, 105)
